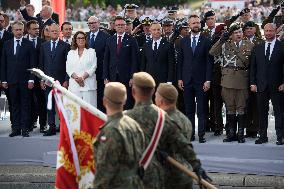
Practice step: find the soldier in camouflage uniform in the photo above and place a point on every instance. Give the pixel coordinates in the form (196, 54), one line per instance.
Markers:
(166, 98)
(146, 114)
(119, 145)
(252, 125)
(235, 78)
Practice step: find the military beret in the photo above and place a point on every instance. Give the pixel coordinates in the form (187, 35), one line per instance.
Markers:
(220, 28)
(209, 13)
(168, 91)
(115, 92)
(130, 7)
(167, 21)
(244, 11)
(172, 10)
(143, 80)
(249, 24)
(234, 27)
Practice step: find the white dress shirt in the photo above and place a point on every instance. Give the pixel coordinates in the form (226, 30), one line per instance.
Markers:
(67, 40)
(1, 33)
(95, 35)
(31, 39)
(122, 36)
(51, 43)
(272, 44)
(16, 43)
(196, 38)
(158, 43)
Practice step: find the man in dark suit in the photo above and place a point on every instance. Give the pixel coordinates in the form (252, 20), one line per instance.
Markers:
(121, 59)
(158, 56)
(4, 36)
(97, 40)
(267, 80)
(18, 56)
(38, 103)
(28, 11)
(53, 56)
(194, 74)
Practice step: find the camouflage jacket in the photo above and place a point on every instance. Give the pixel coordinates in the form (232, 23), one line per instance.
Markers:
(146, 114)
(118, 148)
(174, 177)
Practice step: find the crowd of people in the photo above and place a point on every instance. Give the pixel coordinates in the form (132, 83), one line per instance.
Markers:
(191, 65)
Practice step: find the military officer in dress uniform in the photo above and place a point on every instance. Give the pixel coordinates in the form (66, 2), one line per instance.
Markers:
(252, 125)
(168, 28)
(181, 31)
(166, 99)
(145, 36)
(129, 26)
(210, 21)
(235, 56)
(146, 114)
(172, 13)
(130, 12)
(119, 144)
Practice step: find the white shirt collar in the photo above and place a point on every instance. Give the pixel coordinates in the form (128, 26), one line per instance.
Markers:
(272, 44)
(31, 38)
(15, 40)
(158, 43)
(196, 36)
(56, 41)
(122, 35)
(95, 33)
(68, 39)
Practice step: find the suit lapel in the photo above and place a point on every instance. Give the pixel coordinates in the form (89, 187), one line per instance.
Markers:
(97, 40)
(162, 43)
(273, 54)
(198, 44)
(57, 48)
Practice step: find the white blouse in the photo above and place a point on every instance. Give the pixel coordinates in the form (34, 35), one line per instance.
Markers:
(79, 65)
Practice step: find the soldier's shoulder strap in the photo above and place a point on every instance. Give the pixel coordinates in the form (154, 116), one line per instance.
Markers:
(152, 146)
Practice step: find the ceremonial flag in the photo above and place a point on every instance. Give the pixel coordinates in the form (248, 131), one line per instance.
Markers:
(78, 129)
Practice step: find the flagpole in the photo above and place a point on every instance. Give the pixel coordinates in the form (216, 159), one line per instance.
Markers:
(51, 83)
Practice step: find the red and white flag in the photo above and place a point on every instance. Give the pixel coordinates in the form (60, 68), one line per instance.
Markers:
(75, 157)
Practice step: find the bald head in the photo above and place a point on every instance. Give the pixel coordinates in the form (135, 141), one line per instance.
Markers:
(94, 24)
(270, 31)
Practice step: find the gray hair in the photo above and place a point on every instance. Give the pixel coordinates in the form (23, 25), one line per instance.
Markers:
(49, 9)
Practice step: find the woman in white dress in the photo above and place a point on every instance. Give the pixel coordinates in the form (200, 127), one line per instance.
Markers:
(81, 66)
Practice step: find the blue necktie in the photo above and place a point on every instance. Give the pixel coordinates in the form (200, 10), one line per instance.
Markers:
(53, 48)
(92, 41)
(33, 40)
(193, 45)
(18, 47)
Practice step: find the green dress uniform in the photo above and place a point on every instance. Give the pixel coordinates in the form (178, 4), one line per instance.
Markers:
(235, 79)
(175, 178)
(118, 148)
(146, 114)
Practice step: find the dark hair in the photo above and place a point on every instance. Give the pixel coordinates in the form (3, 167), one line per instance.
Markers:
(66, 23)
(119, 18)
(74, 44)
(29, 23)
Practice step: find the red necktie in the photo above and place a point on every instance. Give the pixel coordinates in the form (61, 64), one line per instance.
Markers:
(118, 48)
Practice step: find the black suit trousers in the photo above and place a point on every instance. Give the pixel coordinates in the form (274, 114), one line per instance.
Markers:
(20, 106)
(38, 105)
(192, 91)
(50, 113)
(130, 100)
(100, 94)
(277, 99)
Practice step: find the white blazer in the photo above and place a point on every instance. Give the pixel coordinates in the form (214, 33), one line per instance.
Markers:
(79, 65)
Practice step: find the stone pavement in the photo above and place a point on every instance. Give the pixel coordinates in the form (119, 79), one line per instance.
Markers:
(39, 177)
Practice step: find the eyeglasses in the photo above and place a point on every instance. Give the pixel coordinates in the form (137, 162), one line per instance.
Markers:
(120, 25)
(82, 38)
(90, 23)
